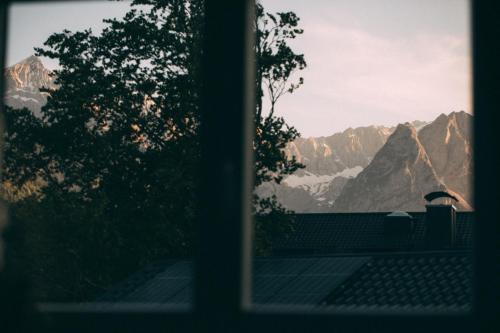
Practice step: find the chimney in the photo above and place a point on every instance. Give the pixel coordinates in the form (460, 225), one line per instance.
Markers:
(398, 226)
(440, 221)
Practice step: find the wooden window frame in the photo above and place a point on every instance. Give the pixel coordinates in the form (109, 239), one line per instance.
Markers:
(223, 264)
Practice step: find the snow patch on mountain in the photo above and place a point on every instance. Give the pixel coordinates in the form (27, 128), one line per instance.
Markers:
(22, 98)
(318, 184)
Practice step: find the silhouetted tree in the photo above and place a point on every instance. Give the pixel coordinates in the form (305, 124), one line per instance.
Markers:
(117, 147)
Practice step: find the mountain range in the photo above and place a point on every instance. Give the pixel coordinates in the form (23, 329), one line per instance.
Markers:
(372, 168)
(379, 168)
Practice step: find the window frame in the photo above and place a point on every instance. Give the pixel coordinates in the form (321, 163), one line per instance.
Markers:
(222, 299)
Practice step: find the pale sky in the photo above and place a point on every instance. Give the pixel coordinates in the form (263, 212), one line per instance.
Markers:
(370, 62)
(31, 23)
(378, 62)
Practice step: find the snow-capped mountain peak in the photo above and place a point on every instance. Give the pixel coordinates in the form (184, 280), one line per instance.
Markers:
(24, 81)
(377, 168)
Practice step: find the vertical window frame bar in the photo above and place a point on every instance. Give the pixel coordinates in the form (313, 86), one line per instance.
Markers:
(486, 100)
(223, 265)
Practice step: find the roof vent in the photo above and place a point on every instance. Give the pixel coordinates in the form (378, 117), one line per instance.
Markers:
(398, 227)
(440, 221)
(399, 213)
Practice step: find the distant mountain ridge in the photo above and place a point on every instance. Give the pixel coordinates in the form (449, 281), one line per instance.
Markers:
(411, 164)
(330, 162)
(344, 172)
(345, 150)
(23, 83)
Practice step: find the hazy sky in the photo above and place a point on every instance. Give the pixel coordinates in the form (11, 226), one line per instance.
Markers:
(370, 62)
(378, 62)
(31, 23)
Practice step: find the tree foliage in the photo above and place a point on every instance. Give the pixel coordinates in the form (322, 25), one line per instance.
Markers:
(117, 147)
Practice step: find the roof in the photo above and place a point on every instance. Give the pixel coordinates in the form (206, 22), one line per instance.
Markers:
(337, 261)
(332, 233)
(415, 281)
(426, 282)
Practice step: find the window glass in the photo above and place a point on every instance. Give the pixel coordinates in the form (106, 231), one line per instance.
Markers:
(363, 148)
(102, 149)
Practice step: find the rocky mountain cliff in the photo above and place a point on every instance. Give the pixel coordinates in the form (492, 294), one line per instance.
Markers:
(23, 83)
(448, 144)
(411, 164)
(380, 168)
(340, 151)
(330, 162)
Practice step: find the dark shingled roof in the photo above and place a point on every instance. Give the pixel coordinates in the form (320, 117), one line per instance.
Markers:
(416, 281)
(339, 261)
(276, 281)
(360, 232)
(424, 282)
(304, 281)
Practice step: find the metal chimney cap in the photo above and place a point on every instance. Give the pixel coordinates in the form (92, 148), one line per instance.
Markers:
(439, 194)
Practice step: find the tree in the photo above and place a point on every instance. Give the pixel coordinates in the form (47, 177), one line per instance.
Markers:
(276, 65)
(119, 138)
